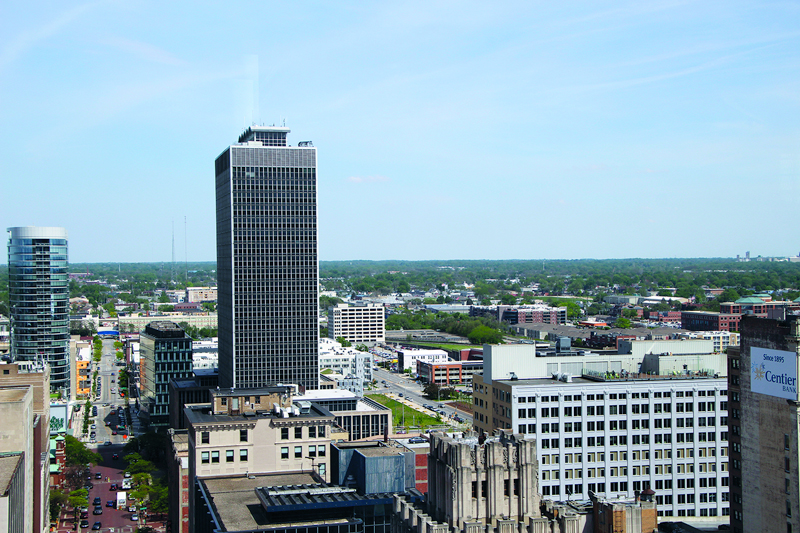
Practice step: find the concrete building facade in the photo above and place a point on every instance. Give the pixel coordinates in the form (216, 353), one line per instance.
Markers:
(360, 323)
(38, 290)
(267, 264)
(764, 418)
(620, 435)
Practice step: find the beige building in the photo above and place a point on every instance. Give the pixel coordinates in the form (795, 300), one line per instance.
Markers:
(361, 323)
(201, 294)
(37, 379)
(136, 324)
(17, 436)
(256, 431)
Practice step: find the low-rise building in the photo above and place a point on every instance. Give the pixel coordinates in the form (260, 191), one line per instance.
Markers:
(200, 294)
(450, 373)
(358, 417)
(407, 358)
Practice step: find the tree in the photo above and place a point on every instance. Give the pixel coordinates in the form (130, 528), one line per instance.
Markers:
(57, 500)
(508, 299)
(623, 323)
(78, 498)
(163, 299)
(344, 342)
(362, 348)
(77, 453)
(629, 313)
(728, 295)
(431, 390)
(485, 335)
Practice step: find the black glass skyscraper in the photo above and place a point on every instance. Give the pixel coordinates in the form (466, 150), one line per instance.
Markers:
(38, 291)
(267, 266)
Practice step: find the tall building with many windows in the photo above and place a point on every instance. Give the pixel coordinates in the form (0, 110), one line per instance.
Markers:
(267, 266)
(38, 290)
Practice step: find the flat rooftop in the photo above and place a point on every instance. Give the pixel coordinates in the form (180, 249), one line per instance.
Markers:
(200, 413)
(13, 394)
(576, 380)
(235, 501)
(8, 465)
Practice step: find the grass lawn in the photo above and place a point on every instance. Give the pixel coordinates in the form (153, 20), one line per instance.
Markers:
(412, 416)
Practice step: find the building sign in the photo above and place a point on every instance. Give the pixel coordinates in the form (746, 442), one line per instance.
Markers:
(773, 372)
(58, 417)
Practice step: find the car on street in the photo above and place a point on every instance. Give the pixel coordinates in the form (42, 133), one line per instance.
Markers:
(115, 456)
(127, 474)
(88, 485)
(416, 440)
(98, 475)
(131, 508)
(97, 501)
(111, 503)
(85, 514)
(135, 517)
(84, 523)
(93, 426)
(98, 510)
(113, 486)
(107, 443)
(400, 394)
(114, 432)
(96, 526)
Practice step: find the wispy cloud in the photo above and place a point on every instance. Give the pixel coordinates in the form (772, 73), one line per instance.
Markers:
(30, 38)
(144, 51)
(367, 179)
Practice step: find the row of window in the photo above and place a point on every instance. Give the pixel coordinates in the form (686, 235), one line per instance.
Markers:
(205, 436)
(313, 451)
(312, 433)
(213, 457)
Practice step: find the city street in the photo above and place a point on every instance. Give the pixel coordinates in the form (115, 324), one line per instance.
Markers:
(412, 391)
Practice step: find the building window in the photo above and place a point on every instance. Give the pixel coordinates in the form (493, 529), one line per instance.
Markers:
(298, 452)
(312, 451)
(284, 433)
(215, 457)
(243, 455)
(284, 452)
(229, 456)
(204, 437)
(298, 432)
(785, 441)
(204, 457)
(312, 432)
(321, 450)
(224, 401)
(321, 432)
(242, 435)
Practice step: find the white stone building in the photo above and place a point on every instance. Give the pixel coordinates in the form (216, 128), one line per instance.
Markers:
(360, 323)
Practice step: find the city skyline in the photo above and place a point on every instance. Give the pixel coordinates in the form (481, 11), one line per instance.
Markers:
(462, 125)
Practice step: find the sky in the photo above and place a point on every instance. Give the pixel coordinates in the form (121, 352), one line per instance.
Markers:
(444, 130)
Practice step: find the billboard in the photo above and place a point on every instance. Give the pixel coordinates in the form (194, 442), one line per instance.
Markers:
(59, 416)
(773, 372)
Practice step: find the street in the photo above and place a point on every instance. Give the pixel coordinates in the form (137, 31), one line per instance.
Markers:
(412, 391)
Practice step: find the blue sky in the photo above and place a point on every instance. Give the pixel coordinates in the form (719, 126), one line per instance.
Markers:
(445, 130)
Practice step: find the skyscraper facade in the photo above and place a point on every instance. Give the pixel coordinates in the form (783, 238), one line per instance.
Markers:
(267, 266)
(38, 290)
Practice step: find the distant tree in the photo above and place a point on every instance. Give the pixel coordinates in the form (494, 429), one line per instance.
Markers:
(362, 348)
(508, 299)
(210, 306)
(78, 498)
(166, 308)
(323, 331)
(623, 323)
(629, 313)
(440, 299)
(485, 335)
(57, 500)
(163, 299)
(728, 295)
(486, 301)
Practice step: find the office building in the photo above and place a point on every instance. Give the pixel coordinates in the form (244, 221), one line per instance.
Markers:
(200, 294)
(359, 323)
(16, 412)
(450, 373)
(407, 358)
(267, 265)
(611, 434)
(165, 354)
(765, 446)
(38, 291)
(358, 417)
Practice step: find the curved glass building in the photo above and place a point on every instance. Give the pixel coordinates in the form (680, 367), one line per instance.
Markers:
(38, 290)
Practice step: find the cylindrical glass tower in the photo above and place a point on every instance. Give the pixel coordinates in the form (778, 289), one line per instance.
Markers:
(38, 289)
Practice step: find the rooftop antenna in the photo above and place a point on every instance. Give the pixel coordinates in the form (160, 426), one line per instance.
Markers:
(185, 248)
(172, 270)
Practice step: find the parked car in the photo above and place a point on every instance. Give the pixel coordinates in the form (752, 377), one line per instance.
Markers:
(97, 501)
(111, 503)
(98, 510)
(84, 523)
(127, 474)
(131, 508)
(416, 440)
(135, 517)
(98, 475)
(107, 443)
(96, 526)
(115, 456)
